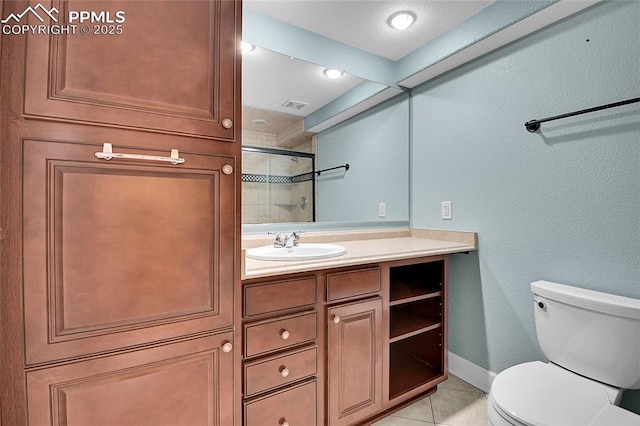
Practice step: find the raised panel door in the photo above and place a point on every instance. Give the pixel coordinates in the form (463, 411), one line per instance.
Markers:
(184, 383)
(163, 66)
(354, 361)
(123, 252)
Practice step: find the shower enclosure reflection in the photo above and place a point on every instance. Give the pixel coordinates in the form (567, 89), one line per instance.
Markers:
(278, 186)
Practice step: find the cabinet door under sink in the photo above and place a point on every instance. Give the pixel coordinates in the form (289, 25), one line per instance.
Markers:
(354, 361)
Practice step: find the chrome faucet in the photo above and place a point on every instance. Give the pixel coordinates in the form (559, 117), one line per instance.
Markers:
(288, 241)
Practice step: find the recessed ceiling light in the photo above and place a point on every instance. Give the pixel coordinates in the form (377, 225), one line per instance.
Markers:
(332, 73)
(247, 47)
(402, 20)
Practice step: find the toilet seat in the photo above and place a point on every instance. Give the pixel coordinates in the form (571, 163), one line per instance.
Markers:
(539, 394)
(613, 415)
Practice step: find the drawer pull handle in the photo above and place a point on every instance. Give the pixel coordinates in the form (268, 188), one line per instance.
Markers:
(284, 371)
(227, 123)
(227, 347)
(283, 422)
(336, 319)
(284, 334)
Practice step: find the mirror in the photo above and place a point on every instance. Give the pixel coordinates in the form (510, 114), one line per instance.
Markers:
(278, 185)
(295, 123)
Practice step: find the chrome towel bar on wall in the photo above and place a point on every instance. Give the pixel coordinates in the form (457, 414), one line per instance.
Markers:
(107, 154)
(533, 125)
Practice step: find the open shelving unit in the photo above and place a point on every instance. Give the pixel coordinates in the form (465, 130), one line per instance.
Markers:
(416, 329)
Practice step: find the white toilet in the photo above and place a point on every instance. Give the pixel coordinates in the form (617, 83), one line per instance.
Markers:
(593, 342)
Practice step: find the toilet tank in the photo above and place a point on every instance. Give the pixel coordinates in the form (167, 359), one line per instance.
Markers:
(594, 334)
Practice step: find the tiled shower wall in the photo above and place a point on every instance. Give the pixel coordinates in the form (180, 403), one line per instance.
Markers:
(275, 202)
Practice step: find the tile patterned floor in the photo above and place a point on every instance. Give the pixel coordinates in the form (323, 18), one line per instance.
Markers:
(456, 403)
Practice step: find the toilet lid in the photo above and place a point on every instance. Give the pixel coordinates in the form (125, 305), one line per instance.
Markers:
(540, 394)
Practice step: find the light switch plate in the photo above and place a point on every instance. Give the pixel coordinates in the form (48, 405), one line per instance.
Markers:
(445, 209)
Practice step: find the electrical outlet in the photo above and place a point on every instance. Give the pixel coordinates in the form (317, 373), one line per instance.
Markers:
(445, 209)
(382, 209)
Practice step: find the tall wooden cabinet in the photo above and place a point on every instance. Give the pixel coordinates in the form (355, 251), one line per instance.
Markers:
(119, 275)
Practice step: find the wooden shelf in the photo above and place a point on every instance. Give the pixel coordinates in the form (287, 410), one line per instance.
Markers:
(411, 318)
(402, 292)
(406, 372)
(411, 333)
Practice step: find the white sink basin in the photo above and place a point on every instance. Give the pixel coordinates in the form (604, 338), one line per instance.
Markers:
(307, 251)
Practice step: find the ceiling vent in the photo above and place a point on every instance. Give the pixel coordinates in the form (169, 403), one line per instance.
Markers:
(294, 104)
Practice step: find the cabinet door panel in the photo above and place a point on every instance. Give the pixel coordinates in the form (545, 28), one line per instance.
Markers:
(186, 383)
(179, 80)
(355, 361)
(122, 252)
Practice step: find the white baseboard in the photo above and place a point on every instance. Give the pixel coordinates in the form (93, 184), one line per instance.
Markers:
(470, 372)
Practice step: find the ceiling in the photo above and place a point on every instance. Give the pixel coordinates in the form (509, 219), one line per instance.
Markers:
(363, 23)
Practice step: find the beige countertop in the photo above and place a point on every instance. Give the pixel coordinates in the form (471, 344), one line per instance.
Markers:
(362, 247)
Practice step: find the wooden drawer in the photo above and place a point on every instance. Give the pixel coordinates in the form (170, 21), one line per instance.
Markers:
(344, 285)
(281, 370)
(268, 336)
(271, 297)
(296, 405)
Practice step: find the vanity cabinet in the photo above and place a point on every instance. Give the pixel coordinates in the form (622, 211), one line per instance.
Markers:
(382, 343)
(119, 275)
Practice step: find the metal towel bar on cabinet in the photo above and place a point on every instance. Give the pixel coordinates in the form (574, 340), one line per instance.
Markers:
(107, 154)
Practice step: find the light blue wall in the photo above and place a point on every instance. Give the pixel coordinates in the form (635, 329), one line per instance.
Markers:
(375, 144)
(560, 205)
